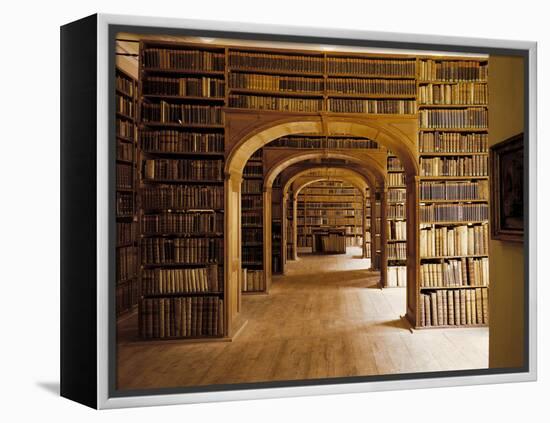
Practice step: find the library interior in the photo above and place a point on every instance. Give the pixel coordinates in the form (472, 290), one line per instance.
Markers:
(289, 211)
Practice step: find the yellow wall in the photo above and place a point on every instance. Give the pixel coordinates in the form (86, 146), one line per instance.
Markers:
(506, 101)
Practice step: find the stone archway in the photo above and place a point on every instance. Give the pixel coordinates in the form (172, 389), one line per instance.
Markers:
(247, 131)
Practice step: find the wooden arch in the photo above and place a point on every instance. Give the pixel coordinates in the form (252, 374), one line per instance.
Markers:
(247, 131)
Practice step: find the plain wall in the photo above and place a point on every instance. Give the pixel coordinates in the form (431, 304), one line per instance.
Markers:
(506, 295)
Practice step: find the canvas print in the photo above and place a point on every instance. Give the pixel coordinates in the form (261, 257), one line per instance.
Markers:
(295, 212)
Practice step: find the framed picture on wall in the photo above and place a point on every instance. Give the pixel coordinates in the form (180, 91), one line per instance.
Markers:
(507, 189)
(238, 200)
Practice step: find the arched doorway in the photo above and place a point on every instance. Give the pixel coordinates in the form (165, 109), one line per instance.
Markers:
(362, 180)
(247, 132)
(364, 159)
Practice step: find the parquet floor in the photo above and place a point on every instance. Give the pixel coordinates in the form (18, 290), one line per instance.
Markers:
(325, 318)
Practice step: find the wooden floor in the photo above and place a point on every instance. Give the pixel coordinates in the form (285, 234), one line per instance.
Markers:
(325, 318)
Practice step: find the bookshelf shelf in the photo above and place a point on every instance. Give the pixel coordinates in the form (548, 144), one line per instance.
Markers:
(281, 93)
(275, 71)
(428, 288)
(183, 98)
(183, 125)
(197, 72)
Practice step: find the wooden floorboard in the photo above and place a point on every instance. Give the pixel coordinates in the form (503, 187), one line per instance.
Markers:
(325, 318)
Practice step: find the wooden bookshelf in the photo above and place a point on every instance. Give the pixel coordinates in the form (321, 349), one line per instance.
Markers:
(454, 268)
(395, 225)
(127, 287)
(252, 226)
(181, 194)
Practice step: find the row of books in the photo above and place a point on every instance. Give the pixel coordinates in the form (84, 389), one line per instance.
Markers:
(196, 170)
(126, 263)
(252, 255)
(474, 190)
(252, 280)
(176, 281)
(304, 241)
(324, 221)
(124, 176)
(454, 166)
(181, 250)
(183, 223)
(329, 191)
(125, 85)
(453, 212)
(173, 141)
(396, 276)
(125, 232)
(182, 197)
(327, 212)
(165, 112)
(453, 70)
(316, 142)
(125, 151)
(367, 66)
(397, 194)
(454, 241)
(396, 211)
(197, 60)
(344, 105)
(348, 230)
(367, 250)
(251, 201)
(452, 142)
(258, 82)
(465, 93)
(283, 62)
(397, 229)
(311, 203)
(454, 307)
(371, 86)
(193, 87)
(252, 235)
(124, 129)
(397, 251)
(396, 179)
(126, 296)
(331, 242)
(251, 217)
(325, 200)
(253, 169)
(251, 186)
(462, 272)
(456, 118)
(125, 106)
(394, 164)
(275, 103)
(124, 204)
(181, 317)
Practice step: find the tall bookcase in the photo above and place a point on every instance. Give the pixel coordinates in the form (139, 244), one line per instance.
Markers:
(181, 193)
(252, 225)
(330, 204)
(454, 208)
(395, 225)
(127, 288)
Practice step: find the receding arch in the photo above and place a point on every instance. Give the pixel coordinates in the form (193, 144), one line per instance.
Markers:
(364, 159)
(250, 131)
(362, 176)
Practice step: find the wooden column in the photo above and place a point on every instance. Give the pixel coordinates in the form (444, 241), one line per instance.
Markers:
(383, 236)
(413, 248)
(295, 226)
(268, 239)
(363, 217)
(232, 261)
